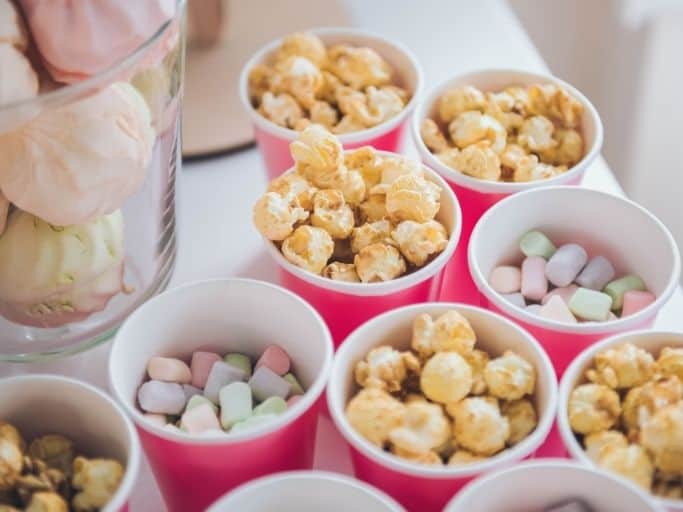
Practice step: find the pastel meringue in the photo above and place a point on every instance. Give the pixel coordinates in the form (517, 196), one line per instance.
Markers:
(73, 164)
(53, 275)
(18, 80)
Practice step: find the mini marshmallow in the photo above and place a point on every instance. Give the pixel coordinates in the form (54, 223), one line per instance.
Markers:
(506, 279)
(201, 366)
(297, 388)
(253, 421)
(266, 383)
(596, 274)
(535, 243)
(199, 419)
(275, 358)
(161, 397)
(516, 299)
(556, 309)
(157, 419)
(564, 292)
(271, 405)
(534, 283)
(565, 264)
(221, 375)
(617, 288)
(169, 369)
(590, 305)
(635, 300)
(198, 400)
(191, 391)
(236, 403)
(241, 361)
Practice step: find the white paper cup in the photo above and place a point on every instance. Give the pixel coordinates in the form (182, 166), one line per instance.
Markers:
(535, 485)
(51, 404)
(306, 491)
(421, 487)
(652, 341)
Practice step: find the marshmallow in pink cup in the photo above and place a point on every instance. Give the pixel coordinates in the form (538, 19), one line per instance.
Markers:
(477, 195)
(306, 491)
(544, 485)
(650, 341)
(223, 316)
(273, 140)
(84, 414)
(428, 487)
(629, 236)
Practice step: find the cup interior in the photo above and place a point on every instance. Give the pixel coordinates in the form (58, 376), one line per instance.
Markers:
(225, 315)
(625, 233)
(494, 333)
(540, 484)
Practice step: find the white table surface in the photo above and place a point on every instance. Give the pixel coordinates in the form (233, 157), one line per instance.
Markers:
(216, 237)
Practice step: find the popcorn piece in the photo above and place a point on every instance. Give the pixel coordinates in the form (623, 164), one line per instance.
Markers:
(351, 185)
(372, 108)
(458, 100)
(11, 464)
(371, 233)
(473, 126)
(622, 367)
(298, 77)
(302, 44)
(379, 262)
(631, 462)
(430, 458)
(530, 169)
(384, 102)
(662, 435)
(259, 82)
(670, 362)
(374, 414)
(521, 416)
(512, 155)
(394, 167)
(478, 161)
(366, 162)
(477, 359)
(328, 91)
(295, 189)
(568, 150)
(386, 368)
(432, 136)
(500, 108)
(12, 434)
(282, 109)
(510, 376)
(592, 408)
(275, 218)
(450, 332)
(418, 242)
(96, 480)
(412, 197)
(424, 427)
(348, 124)
(461, 457)
(309, 248)
(324, 114)
(552, 101)
(479, 426)
(358, 67)
(341, 272)
(643, 401)
(318, 156)
(449, 157)
(373, 208)
(332, 214)
(598, 443)
(536, 134)
(446, 378)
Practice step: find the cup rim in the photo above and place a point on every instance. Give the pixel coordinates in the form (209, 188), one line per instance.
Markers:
(355, 137)
(293, 413)
(265, 481)
(378, 456)
(386, 287)
(502, 187)
(608, 326)
(566, 387)
(549, 463)
(132, 465)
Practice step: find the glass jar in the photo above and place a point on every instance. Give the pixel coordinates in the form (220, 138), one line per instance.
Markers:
(92, 166)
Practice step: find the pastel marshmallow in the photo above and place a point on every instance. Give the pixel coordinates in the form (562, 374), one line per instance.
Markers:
(199, 419)
(565, 264)
(201, 365)
(535, 243)
(272, 405)
(297, 388)
(556, 309)
(169, 369)
(236, 403)
(191, 391)
(516, 299)
(635, 300)
(617, 288)
(161, 397)
(198, 400)
(564, 292)
(590, 305)
(157, 419)
(293, 400)
(221, 375)
(534, 283)
(266, 383)
(241, 361)
(506, 279)
(275, 358)
(596, 274)
(252, 421)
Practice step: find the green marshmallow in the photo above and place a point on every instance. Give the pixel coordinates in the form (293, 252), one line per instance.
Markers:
(590, 305)
(618, 287)
(236, 403)
(535, 243)
(296, 388)
(271, 405)
(240, 361)
(253, 421)
(197, 400)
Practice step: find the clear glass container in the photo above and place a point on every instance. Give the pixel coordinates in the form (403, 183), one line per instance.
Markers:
(56, 301)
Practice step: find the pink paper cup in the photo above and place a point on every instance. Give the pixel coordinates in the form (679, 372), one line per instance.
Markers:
(428, 488)
(273, 140)
(538, 484)
(51, 404)
(622, 231)
(306, 491)
(223, 315)
(652, 341)
(345, 306)
(475, 195)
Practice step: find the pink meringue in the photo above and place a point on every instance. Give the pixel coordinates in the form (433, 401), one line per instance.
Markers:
(12, 29)
(75, 163)
(92, 36)
(18, 80)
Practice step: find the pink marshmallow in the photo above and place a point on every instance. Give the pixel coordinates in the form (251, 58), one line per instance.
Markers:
(293, 399)
(534, 283)
(556, 309)
(169, 369)
(199, 419)
(506, 279)
(275, 358)
(201, 365)
(564, 292)
(635, 300)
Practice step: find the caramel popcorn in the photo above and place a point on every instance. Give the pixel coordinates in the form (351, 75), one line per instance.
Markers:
(386, 368)
(11, 463)
(477, 359)
(373, 209)
(379, 262)
(12, 434)
(341, 272)
(429, 458)
(309, 248)
(424, 427)
(275, 218)
(374, 413)
(351, 185)
(450, 332)
(622, 367)
(365, 161)
(371, 233)
(479, 425)
(460, 457)
(419, 241)
(318, 156)
(592, 408)
(517, 134)
(629, 461)
(295, 189)
(510, 376)
(343, 88)
(96, 480)
(662, 436)
(412, 197)
(446, 378)
(521, 417)
(642, 402)
(394, 167)
(331, 213)
(598, 443)
(670, 362)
